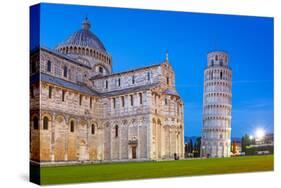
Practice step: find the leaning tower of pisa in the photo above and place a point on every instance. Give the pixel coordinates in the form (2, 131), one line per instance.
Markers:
(216, 130)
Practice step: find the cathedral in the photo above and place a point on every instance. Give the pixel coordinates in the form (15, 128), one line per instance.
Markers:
(81, 111)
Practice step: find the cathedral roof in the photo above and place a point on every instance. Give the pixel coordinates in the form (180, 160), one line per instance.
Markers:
(130, 90)
(127, 71)
(63, 83)
(171, 92)
(83, 88)
(66, 57)
(84, 38)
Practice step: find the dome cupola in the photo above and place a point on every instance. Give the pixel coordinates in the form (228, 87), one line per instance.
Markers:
(84, 46)
(84, 38)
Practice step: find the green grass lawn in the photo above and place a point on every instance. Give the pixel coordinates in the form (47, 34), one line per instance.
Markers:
(141, 170)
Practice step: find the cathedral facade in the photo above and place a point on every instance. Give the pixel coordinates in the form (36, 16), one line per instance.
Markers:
(82, 111)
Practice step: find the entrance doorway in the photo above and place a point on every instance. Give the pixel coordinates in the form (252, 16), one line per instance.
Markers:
(134, 152)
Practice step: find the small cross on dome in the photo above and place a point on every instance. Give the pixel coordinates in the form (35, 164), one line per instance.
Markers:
(167, 55)
(86, 24)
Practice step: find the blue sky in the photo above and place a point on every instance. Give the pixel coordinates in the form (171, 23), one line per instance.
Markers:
(137, 38)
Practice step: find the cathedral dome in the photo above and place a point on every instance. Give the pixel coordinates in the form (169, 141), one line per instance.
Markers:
(85, 38)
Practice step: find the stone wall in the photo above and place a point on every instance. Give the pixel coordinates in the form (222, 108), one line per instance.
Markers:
(133, 120)
(128, 79)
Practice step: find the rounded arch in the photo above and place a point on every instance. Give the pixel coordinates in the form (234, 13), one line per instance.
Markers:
(83, 123)
(60, 118)
(158, 121)
(47, 115)
(153, 121)
(72, 124)
(82, 142)
(95, 124)
(34, 115)
(93, 128)
(46, 123)
(101, 68)
(125, 122)
(115, 122)
(35, 122)
(106, 124)
(116, 129)
(46, 119)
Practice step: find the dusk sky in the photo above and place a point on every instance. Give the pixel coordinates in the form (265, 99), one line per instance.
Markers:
(137, 38)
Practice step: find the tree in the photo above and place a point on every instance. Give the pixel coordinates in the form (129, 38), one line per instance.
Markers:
(245, 141)
(190, 146)
(197, 147)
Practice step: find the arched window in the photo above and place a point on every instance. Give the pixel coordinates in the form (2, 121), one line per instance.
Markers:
(91, 102)
(114, 102)
(49, 66)
(63, 95)
(100, 69)
(140, 96)
(212, 62)
(72, 126)
(45, 123)
(119, 82)
(216, 57)
(168, 81)
(132, 100)
(80, 100)
(50, 92)
(65, 71)
(148, 76)
(106, 84)
(123, 101)
(93, 129)
(35, 123)
(116, 130)
(133, 79)
(221, 75)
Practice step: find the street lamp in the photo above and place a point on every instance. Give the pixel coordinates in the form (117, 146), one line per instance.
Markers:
(260, 133)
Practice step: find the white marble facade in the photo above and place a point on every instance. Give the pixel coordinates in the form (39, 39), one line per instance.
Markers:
(217, 105)
(82, 111)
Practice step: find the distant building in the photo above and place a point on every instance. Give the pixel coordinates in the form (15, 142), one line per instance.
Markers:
(236, 148)
(262, 146)
(267, 139)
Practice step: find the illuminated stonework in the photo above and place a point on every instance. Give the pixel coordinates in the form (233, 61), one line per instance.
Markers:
(82, 111)
(217, 104)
